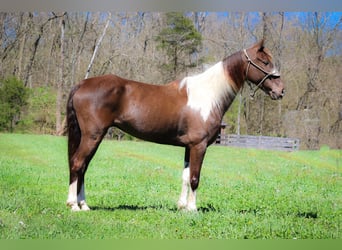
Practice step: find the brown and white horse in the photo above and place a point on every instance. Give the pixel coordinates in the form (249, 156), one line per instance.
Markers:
(185, 113)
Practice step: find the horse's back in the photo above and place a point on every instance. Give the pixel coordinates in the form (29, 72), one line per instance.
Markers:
(111, 82)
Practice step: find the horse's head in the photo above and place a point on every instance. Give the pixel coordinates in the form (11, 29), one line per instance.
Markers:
(261, 71)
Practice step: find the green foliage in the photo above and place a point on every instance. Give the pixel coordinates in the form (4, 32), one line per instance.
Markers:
(179, 40)
(42, 109)
(132, 188)
(179, 33)
(13, 97)
(230, 117)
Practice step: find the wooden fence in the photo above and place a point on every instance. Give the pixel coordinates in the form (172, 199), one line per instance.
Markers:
(260, 142)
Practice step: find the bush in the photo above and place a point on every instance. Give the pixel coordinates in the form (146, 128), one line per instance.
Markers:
(40, 117)
(13, 98)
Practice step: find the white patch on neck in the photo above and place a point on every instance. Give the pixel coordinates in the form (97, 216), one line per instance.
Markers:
(207, 90)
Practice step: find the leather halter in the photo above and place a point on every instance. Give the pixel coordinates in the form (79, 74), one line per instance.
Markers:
(274, 73)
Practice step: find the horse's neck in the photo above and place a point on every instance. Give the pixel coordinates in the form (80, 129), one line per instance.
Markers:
(235, 68)
(226, 104)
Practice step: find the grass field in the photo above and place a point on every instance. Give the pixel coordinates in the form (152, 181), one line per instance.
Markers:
(133, 187)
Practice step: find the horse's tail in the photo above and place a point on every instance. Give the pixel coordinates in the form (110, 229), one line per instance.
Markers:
(74, 131)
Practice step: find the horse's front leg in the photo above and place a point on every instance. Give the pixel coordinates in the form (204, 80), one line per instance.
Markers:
(191, 176)
(196, 159)
(183, 199)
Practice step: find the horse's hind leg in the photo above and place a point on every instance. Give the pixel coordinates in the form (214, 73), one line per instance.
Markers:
(81, 199)
(79, 164)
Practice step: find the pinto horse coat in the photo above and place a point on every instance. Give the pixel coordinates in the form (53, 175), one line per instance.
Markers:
(184, 113)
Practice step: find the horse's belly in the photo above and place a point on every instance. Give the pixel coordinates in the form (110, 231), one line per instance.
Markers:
(166, 132)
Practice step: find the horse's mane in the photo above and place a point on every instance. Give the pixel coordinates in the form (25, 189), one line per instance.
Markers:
(234, 66)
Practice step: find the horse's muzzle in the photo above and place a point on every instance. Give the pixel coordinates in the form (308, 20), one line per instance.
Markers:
(277, 95)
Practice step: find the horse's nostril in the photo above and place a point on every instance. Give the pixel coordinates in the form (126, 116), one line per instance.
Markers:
(283, 92)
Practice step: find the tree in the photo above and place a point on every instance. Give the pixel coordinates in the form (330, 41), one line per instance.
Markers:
(316, 100)
(98, 43)
(61, 79)
(40, 34)
(181, 42)
(13, 97)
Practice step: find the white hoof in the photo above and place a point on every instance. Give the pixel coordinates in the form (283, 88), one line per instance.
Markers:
(181, 204)
(186, 207)
(84, 206)
(74, 207)
(191, 208)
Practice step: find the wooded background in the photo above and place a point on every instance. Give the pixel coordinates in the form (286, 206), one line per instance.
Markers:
(44, 54)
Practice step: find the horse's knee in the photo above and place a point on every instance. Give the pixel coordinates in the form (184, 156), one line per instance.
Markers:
(194, 181)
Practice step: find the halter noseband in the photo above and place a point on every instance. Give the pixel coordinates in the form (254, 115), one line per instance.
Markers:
(274, 73)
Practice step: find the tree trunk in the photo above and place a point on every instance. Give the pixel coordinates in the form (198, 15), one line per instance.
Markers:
(77, 53)
(21, 48)
(60, 82)
(239, 115)
(98, 45)
(35, 45)
(278, 64)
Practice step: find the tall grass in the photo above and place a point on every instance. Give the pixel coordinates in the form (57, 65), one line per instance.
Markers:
(133, 187)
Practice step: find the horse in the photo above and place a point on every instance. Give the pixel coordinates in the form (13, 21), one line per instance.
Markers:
(185, 113)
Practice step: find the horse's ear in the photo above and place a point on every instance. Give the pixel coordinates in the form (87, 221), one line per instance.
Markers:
(261, 45)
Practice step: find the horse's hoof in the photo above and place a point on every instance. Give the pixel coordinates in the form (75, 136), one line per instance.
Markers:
(186, 207)
(74, 207)
(181, 205)
(190, 208)
(84, 207)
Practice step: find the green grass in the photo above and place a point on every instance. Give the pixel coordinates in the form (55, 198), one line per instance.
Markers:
(133, 187)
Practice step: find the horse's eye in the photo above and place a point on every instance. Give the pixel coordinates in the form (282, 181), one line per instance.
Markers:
(264, 61)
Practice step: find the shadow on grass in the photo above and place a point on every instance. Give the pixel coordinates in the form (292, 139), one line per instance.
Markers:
(206, 209)
(203, 209)
(308, 215)
(131, 208)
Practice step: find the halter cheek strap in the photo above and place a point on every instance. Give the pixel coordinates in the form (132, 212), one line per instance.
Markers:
(274, 73)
